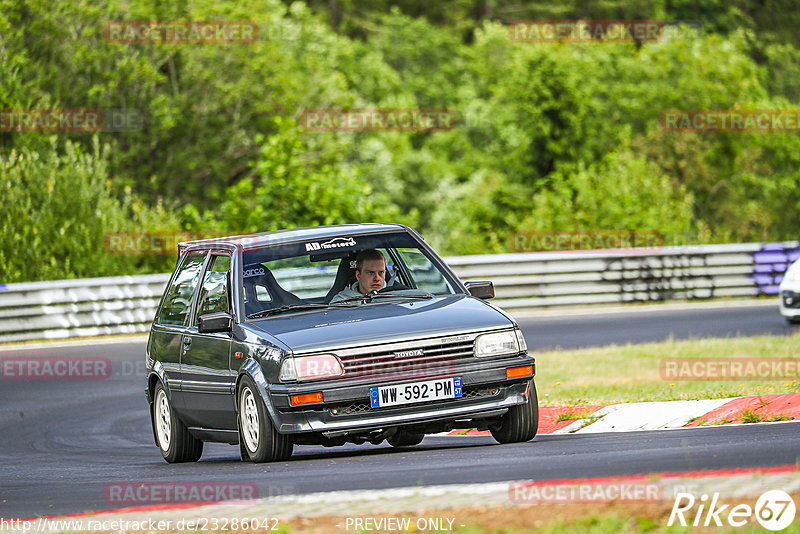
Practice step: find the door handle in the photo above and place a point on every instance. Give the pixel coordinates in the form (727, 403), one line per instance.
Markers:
(187, 342)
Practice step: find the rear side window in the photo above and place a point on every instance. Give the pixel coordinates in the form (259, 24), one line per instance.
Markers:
(214, 293)
(179, 295)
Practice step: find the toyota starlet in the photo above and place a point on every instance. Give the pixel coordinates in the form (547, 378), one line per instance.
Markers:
(329, 335)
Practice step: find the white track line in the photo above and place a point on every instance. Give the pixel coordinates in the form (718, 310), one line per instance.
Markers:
(644, 416)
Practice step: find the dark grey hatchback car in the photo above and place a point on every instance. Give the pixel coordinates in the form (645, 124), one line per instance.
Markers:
(254, 344)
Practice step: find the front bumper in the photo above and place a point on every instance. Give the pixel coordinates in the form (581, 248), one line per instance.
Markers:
(346, 406)
(790, 303)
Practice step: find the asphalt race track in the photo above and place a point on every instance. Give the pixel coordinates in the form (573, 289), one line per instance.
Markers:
(570, 330)
(63, 441)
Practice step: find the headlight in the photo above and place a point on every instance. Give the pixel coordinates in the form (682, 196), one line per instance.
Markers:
(313, 367)
(496, 344)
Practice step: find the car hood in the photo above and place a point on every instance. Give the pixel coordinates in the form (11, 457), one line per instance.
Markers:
(382, 322)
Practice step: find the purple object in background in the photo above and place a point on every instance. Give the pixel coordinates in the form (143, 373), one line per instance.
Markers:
(769, 265)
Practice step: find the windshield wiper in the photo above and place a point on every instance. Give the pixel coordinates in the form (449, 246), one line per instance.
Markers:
(290, 307)
(374, 295)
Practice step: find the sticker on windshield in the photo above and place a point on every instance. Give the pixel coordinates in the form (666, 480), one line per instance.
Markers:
(336, 242)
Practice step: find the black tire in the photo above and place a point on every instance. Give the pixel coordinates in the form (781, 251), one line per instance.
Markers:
(404, 438)
(174, 441)
(521, 422)
(257, 436)
(793, 321)
(242, 449)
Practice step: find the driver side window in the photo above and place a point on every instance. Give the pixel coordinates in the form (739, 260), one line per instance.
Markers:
(179, 295)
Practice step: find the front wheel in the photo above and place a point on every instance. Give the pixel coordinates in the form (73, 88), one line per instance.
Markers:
(176, 443)
(257, 436)
(521, 422)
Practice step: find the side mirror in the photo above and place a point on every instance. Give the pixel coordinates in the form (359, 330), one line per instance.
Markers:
(483, 289)
(214, 322)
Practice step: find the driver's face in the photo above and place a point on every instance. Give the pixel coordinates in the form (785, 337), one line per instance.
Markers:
(372, 276)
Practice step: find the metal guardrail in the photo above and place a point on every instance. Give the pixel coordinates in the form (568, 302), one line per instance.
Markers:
(126, 304)
(537, 280)
(74, 308)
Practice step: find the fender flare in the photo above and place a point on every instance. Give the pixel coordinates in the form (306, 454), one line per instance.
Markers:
(155, 376)
(252, 369)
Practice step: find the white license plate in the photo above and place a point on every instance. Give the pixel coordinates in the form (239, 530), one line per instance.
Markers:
(430, 390)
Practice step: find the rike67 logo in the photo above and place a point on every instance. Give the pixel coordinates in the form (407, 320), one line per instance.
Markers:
(774, 510)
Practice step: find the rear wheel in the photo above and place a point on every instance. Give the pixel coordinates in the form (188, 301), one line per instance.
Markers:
(405, 438)
(521, 422)
(257, 436)
(176, 443)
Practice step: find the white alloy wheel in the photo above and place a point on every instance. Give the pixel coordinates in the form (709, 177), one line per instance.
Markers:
(163, 420)
(249, 419)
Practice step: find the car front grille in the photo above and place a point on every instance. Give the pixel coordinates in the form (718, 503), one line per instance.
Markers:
(408, 359)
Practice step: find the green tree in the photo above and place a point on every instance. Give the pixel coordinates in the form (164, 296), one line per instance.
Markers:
(58, 209)
(293, 187)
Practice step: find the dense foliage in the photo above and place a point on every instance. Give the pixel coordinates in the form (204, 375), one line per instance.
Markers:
(548, 136)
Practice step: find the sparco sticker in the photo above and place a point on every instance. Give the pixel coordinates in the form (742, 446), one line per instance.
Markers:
(255, 271)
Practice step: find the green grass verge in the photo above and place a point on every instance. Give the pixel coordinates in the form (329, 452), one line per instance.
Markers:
(615, 525)
(573, 416)
(749, 416)
(631, 373)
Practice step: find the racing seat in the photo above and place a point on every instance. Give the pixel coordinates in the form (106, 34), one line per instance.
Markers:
(256, 275)
(345, 275)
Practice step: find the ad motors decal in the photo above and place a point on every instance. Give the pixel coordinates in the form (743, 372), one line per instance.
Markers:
(336, 242)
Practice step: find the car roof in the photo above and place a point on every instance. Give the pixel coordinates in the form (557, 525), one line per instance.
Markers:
(278, 237)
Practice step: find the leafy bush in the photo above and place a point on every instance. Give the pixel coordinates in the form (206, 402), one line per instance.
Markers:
(293, 189)
(57, 210)
(550, 136)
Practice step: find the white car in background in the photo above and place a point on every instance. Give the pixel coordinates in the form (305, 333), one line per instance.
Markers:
(790, 294)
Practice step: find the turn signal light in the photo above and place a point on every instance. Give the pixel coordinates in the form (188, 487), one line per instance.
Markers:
(306, 398)
(517, 372)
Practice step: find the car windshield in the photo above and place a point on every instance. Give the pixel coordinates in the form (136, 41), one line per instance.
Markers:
(322, 273)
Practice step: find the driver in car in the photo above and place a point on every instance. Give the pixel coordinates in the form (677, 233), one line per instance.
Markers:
(370, 275)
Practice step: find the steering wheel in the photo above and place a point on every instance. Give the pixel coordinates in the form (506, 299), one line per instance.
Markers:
(395, 287)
